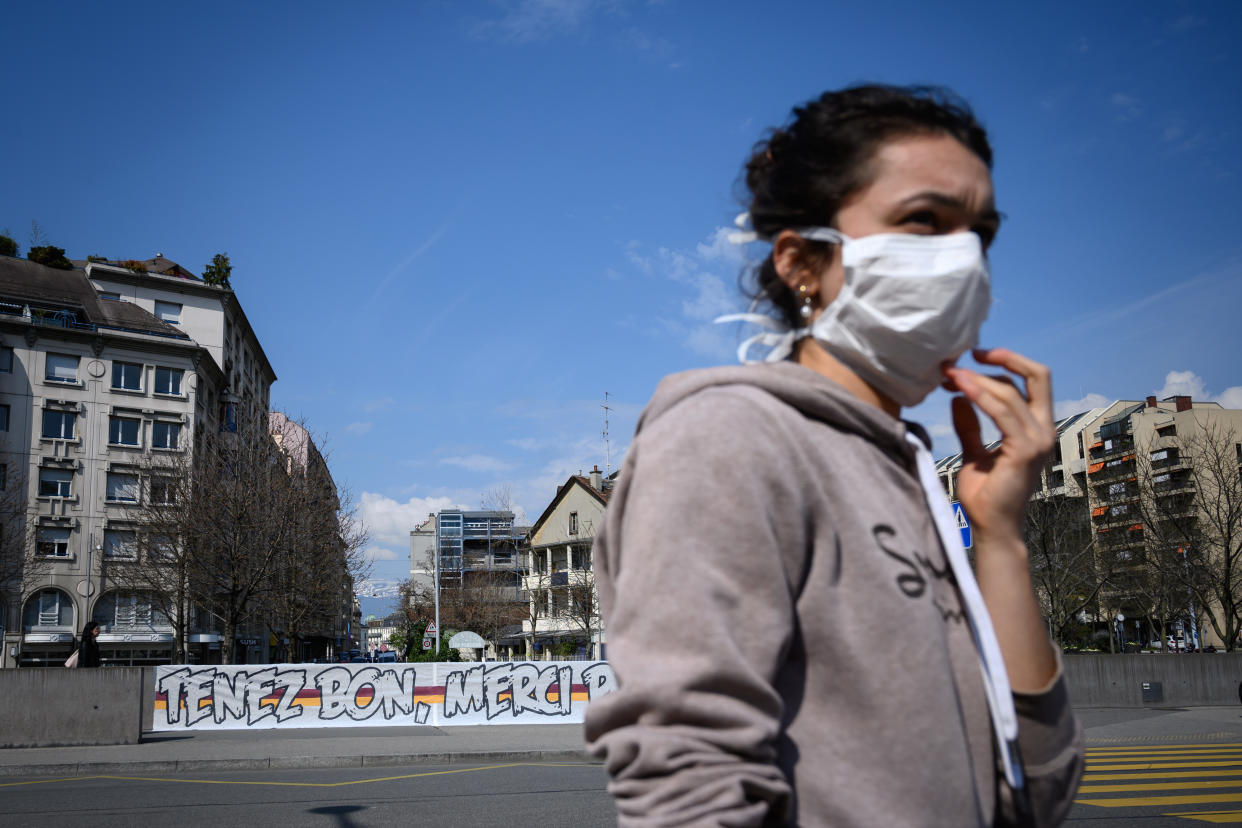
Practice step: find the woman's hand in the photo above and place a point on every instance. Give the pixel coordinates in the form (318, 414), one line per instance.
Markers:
(995, 486)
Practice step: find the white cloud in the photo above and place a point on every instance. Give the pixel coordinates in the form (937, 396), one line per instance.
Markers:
(1182, 382)
(1190, 384)
(709, 271)
(477, 463)
(1127, 106)
(391, 522)
(525, 443)
(358, 428)
(1231, 397)
(379, 404)
(526, 21)
(376, 553)
(1067, 408)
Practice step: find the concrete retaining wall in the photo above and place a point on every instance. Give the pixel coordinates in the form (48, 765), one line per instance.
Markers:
(43, 708)
(1186, 679)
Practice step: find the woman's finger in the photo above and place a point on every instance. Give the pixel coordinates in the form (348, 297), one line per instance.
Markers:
(1001, 401)
(969, 433)
(1036, 375)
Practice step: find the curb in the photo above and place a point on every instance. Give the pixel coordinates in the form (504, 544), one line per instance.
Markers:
(60, 769)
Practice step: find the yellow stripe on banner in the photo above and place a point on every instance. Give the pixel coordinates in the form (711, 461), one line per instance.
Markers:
(1159, 786)
(1217, 817)
(1148, 801)
(1162, 765)
(1111, 777)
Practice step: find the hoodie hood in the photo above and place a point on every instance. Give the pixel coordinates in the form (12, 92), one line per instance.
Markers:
(811, 393)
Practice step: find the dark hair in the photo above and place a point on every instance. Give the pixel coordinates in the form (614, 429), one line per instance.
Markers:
(799, 175)
(90, 626)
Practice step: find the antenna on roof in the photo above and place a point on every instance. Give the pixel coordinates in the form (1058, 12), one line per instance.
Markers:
(607, 443)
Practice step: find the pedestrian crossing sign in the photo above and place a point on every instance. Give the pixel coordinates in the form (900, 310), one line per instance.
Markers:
(963, 524)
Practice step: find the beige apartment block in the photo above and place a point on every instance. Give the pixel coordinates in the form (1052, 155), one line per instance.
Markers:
(106, 373)
(560, 581)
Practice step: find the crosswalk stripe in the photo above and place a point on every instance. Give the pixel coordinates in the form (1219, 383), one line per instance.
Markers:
(1158, 748)
(1159, 786)
(1198, 774)
(1148, 801)
(1161, 765)
(1217, 817)
(1111, 754)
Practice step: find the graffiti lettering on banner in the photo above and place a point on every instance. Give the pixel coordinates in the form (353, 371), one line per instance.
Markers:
(351, 695)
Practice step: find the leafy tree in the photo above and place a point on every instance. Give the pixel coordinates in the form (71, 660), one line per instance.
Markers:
(8, 247)
(218, 272)
(49, 256)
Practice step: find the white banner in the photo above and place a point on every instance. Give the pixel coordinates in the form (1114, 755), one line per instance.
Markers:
(240, 697)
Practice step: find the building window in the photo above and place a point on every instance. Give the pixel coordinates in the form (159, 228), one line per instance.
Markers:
(55, 482)
(4, 418)
(50, 608)
(120, 544)
(1167, 431)
(61, 368)
(573, 523)
(127, 610)
(6, 360)
(163, 491)
(122, 488)
(165, 435)
(127, 376)
(123, 431)
(4, 484)
(168, 381)
(169, 312)
(115, 297)
(58, 425)
(53, 543)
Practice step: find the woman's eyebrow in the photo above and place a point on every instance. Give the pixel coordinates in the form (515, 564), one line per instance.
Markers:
(952, 202)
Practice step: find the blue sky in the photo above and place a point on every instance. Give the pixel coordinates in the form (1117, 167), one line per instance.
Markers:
(454, 226)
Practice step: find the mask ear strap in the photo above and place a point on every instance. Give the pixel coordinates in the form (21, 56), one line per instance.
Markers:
(822, 234)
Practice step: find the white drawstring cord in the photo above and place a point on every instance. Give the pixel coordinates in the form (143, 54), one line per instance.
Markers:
(995, 678)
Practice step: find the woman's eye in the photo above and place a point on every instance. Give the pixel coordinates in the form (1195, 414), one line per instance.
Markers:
(923, 218)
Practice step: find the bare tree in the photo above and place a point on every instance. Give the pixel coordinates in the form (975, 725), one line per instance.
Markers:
(20, 562)
(1191, 504)
(1065, 570)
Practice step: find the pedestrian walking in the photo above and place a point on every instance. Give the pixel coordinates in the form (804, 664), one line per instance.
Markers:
(796, 631)
(88, 648)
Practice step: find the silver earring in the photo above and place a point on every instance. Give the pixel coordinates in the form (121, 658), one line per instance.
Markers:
(806, 310)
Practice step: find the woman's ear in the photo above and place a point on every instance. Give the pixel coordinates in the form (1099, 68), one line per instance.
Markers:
(788, 251)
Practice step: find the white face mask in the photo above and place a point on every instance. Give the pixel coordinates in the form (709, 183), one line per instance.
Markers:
(909, 303)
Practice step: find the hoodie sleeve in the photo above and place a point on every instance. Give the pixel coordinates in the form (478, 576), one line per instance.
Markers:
(1050, 740)
(694, 568)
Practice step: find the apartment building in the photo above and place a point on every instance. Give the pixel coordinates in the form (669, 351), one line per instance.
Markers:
(1127, 469)
(105, 373)
(559, 579)
(93, 395)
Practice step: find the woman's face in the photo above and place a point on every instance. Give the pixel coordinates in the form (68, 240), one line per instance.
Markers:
(921, 184)
(95, 632)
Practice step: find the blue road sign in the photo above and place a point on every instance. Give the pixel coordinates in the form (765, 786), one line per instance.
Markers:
(963, 524)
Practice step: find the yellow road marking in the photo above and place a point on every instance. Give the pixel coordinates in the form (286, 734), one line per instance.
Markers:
(1111, 777)
(1161, 765)
(1187, 752)
(1159, 786)
(1147, 801)
(1218, 817)
(1160, 747)
(295, 784)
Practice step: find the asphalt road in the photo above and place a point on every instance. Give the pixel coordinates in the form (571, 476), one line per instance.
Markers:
(509, 795)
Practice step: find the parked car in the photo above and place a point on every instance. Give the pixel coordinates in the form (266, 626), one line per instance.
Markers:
(389, 657)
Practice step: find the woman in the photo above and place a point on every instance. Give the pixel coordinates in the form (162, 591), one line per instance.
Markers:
(794, 626)
(88, 650)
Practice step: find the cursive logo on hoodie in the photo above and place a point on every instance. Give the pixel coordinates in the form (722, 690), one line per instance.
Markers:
(917, 569)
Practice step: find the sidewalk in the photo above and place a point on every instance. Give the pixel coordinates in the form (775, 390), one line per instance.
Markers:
(389, 746)
(206, 750)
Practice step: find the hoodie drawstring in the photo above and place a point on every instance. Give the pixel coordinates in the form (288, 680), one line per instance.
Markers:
(995, 678)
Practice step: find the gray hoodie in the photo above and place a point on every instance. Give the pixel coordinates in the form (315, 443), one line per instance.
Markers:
(787, 633)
